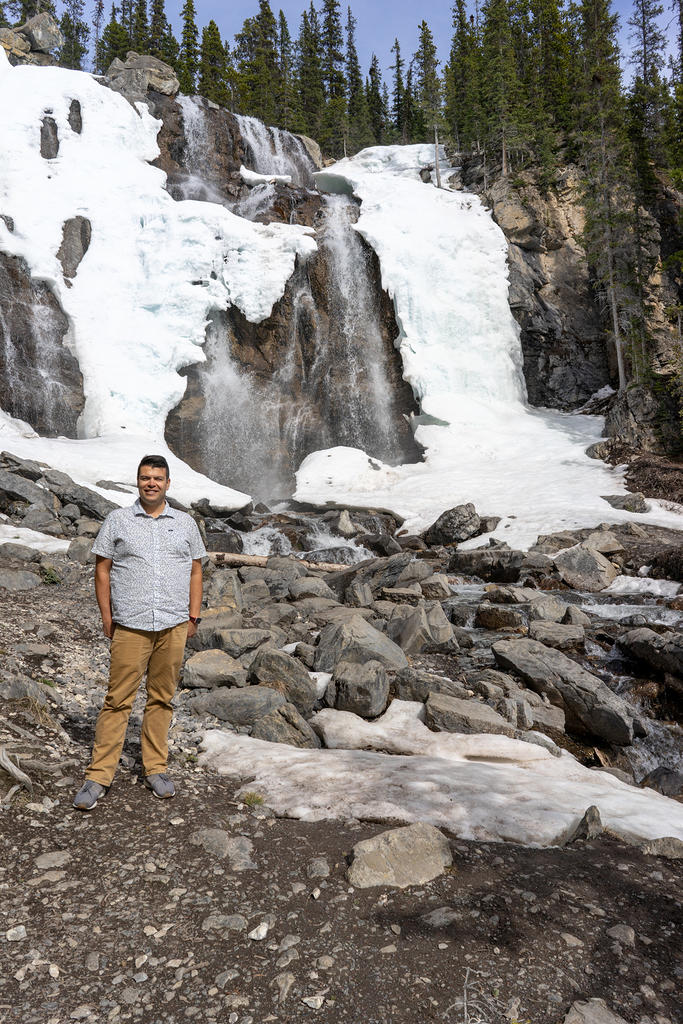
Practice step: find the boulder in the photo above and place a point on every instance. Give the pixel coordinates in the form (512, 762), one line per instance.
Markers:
(376, 572)
(213, 619)
(286, 675)
(406, 856)
(628, 502)
(17, 488)
(361, 689)
(498, 565)
(454, 525)
(587, 702)
(90, 502)
(662, 651)
(138, 73)
(76, 235)
(499, 616)
(547, 608)
(410, 594)
(585, 569)
(20, 552)
(311, 586)
(436, 587)
(42, 32)
(16, 46)
(451, 714)
(555, 634)
(224, 590)
(237, 642)
(80, 550)
(358, 595)
(592, 1011)
(603, 541)
(284, 724)
(356, 641)
(575, 617)
(417, 684)
(18, 579)
(207, 669)
(237, 706)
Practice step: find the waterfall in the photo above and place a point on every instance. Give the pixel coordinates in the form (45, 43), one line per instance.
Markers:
(328, 381)
(275, 151)
(197, 183)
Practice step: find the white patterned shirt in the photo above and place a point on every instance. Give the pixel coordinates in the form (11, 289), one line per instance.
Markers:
(151, 563)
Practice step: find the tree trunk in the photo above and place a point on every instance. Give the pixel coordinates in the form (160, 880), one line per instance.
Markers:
(436, 157)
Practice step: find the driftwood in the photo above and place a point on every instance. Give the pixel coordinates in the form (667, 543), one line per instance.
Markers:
(228, 558)
(15, 772)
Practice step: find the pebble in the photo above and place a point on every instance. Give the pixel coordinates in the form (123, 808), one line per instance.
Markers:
(259, 933)
(55, 859)
(318, 868)
(623, 933)
(53, 971)
(16, 934)
(315, 1002)
(388, 949)
(571, 940)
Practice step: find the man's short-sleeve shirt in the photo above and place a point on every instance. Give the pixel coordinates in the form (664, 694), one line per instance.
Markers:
(151, 564)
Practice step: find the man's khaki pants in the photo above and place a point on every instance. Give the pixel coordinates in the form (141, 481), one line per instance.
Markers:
(134, 652)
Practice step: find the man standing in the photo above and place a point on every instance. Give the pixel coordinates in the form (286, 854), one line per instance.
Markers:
(148, 584)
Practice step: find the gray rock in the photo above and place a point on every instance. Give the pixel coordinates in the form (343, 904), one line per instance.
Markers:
(238, 706)
(456, 524)
(376, 572)
(555, 634)
(417, 684)
(18, 688)
(585, 569)
(17, 488)
(220, 844)
(547, 608)
(592, 1011)
(662, 651)
(356, 641)
(223, 925)
(285, 725)
(213, 620)
(311, 586)
(90, 502)
(547, 716)
(138, 73)
(42, 32)
(436, 588)
(358, 595)
(49, 138)
(224, 590)
(411, 594)
(14, 45)
(575, 617)
(400, 857)
(285, 674)
(668, 846)
(18, 579)
(629, 502)
(38, 519)
(207, 669)
(80, 550)
(589, 827)
(362, 689)
(451, 714)
(76, 235)
(236, 642)
(20, 552)
(665, 780)
(497, 565)
(439, 626)
(499, 616)
(623, 933)
(588, 703)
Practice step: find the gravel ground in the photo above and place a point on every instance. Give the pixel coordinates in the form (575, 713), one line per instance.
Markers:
(133, 913)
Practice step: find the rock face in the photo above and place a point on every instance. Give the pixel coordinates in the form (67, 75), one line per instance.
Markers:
(589, 704)
(404, 856)
(40, 381)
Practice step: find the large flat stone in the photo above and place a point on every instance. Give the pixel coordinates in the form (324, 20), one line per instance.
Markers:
(285, 725)
(584, 568)
(404, 856)
(356, 641)
(451, 714)
(556, 634)
(238, 706)
(588, 703)
(208, 669)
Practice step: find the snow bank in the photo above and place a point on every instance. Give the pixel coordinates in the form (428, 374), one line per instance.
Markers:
(11, 534)
(155, 268)
(252, 178)
(488, 788)
(443, 261)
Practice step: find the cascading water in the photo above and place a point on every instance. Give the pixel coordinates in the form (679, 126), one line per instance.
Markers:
(197, 155)
(275, 151)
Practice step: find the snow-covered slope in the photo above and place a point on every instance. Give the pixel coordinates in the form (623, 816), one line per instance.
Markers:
(443, 261)
(138, 304)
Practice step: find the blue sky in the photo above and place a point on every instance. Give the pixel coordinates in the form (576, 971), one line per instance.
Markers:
(378, 22)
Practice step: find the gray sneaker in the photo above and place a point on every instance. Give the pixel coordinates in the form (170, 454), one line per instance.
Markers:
(88, 795)
(161, 785)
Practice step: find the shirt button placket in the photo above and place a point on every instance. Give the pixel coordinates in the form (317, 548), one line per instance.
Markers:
(155, 561)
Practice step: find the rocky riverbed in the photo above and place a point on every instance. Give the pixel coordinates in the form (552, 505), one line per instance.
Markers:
(223, 905)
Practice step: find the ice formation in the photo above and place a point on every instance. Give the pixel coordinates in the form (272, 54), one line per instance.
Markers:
(443, 261)
(487, 788)
(155, 268)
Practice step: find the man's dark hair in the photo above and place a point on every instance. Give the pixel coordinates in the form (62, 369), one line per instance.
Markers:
(156, 462)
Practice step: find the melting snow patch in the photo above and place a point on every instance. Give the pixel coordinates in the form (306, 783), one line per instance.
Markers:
(488, 788)
(642, 585)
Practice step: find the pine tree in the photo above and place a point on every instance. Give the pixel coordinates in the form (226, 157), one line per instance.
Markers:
(126, 18)
(140, 37)
(333, 128)
(188, 58)
(97, 19)
(501, 87)
(359, 131)
(605, 158)
(309, 73)
(158, 27)
(114, 43)
(462, 82)
(427, 85)
(288, 106)
(375, 103)
(212, 66)
(649, 97)
(75, 32)
(398, 95)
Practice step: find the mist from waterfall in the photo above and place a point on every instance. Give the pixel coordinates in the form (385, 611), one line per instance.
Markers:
(275, 151)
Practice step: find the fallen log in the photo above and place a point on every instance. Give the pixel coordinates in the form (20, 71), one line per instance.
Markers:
(230, 558)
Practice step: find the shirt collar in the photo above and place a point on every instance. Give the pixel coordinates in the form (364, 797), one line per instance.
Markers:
(138, 510)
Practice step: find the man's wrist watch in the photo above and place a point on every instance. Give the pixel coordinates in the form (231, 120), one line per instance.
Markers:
(195, 619)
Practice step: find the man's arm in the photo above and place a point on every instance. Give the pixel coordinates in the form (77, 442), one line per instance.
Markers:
(195, 594)
(103, 593)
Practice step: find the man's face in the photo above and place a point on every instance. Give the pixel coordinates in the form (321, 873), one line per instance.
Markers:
(152, 484)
